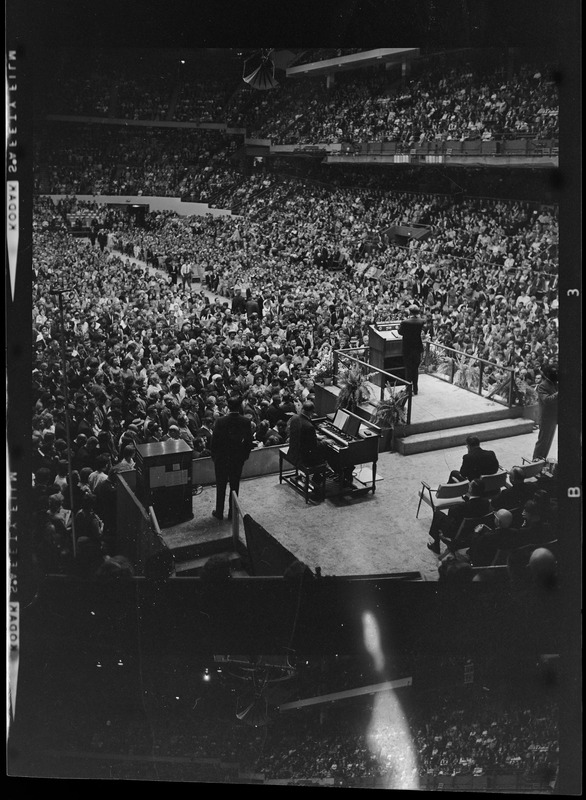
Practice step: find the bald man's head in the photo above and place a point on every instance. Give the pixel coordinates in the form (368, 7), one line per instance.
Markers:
(503, 518)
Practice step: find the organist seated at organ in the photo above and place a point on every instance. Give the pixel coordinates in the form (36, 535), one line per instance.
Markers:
(308, 447)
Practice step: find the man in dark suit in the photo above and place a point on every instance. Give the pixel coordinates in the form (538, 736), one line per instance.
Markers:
(547, 395)
(306, 446)
(274, 412)
(206, 428)
(445, 526)
(305, 449)
(410, 330)
(515, 495)
(533, 530)
(238, 305)
(475, 463)
(230, 447)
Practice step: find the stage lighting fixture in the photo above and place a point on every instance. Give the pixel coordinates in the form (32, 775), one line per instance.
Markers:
(259, 71)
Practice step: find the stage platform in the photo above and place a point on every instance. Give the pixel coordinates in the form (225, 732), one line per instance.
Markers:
(363, 535)
(442, 415)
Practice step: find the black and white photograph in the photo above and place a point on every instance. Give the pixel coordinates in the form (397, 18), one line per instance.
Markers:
(290, 292)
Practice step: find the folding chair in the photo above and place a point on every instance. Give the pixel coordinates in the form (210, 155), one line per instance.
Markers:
(532, 469)
(494, 483)
(446, 496)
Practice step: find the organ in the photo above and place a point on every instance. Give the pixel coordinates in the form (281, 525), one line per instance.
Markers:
(351, 441)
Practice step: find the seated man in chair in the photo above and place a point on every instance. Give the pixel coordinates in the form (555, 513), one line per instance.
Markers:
(445, 526)
(534, 530)
(476, 462)
(480, 555)
(515, 495)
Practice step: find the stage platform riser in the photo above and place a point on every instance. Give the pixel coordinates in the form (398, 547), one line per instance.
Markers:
(461, 420)
(442, 416)
(456, 437)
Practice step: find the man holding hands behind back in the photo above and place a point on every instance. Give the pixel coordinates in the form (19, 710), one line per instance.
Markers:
(230, 447)
(410, 330)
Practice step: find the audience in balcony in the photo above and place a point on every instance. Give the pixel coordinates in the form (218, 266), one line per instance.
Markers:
(458, 734)
(438, 103)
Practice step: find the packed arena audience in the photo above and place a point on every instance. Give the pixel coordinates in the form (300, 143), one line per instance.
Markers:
(460, 105)
(203, 100)
(117, 84)
(166, 315)
(90, 96)
(461, 101)
(453, 741)
(165, 319)
(105, 159)
(457, 734)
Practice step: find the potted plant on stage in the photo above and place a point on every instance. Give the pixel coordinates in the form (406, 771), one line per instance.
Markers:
(459, 369)
(467, 372)
(390, 412)
(354, 388)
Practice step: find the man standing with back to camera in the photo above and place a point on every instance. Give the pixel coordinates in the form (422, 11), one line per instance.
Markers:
(230, 447)
(410, 330)
(547, 394)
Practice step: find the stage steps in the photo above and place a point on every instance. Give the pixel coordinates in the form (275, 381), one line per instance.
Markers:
(202, 545)
(465, 416)
(193, 566)
(456, 436)
(191, 546)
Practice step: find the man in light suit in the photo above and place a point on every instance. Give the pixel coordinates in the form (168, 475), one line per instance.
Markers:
(230, 447)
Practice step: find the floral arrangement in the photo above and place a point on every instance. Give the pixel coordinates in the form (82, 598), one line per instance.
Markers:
(354, 389)
(391, 410)
(324, 367)
(465, 370)
(432, 361)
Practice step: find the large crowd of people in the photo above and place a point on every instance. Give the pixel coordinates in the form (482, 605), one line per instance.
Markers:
(453, 741)
(164, 320)
(166, 315)
(438, 102)
(460, 105)
(456, 734)
(107, 159)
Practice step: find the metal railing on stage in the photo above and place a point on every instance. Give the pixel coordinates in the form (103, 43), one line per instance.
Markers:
(377, 382)
(477, 375)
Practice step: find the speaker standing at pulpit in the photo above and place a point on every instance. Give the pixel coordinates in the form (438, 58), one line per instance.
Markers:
(411, 330)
